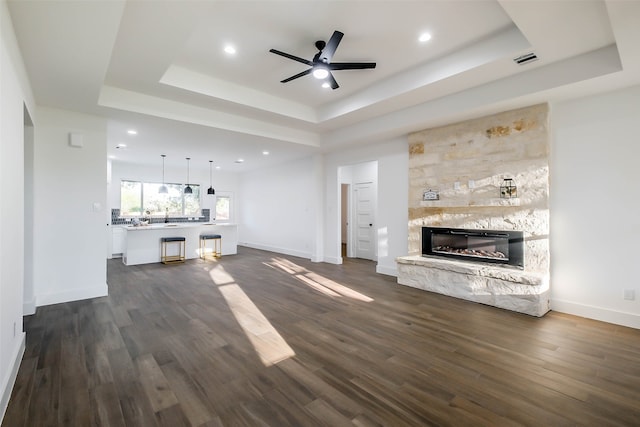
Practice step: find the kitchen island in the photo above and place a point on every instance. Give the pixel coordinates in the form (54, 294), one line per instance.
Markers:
(142, 243)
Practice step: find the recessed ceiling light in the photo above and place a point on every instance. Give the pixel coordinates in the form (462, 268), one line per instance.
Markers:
(121, 145)
(217, 167)
(230, 49)
(132, 132)
(424, 37)
(265, 153)
(239, 160)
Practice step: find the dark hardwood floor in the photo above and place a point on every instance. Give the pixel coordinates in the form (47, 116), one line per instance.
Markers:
(262, 339)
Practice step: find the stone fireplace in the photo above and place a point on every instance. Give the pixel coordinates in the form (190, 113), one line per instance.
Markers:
(466, 239)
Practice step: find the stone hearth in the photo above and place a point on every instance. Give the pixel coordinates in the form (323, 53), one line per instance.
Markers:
(498, 286)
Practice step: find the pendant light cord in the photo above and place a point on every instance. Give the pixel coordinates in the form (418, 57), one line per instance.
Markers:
(163, 156)
(187, 189)
(211, 191)
(163, 188)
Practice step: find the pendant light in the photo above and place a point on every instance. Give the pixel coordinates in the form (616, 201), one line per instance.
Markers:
(187, 189)
(210, 190)
(163, 188)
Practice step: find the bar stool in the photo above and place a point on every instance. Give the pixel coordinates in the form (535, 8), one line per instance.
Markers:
(171, 259)
(216, 251)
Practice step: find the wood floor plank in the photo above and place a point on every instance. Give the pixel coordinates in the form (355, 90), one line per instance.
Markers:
(74, 407)
(327, 414)
(135, 405)
(155, 384)
(43, 408)
(191, 399)
(167, 348)
(97, 366)
(106, 410)
(23, 392)
(291, 409)
(172, 416)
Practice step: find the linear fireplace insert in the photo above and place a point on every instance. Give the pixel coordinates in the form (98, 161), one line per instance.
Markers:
(494, 246)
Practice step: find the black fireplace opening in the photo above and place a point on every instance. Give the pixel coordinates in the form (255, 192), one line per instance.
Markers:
(494, 246)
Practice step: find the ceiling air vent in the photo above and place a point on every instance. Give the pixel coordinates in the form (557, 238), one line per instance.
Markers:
(526, 58)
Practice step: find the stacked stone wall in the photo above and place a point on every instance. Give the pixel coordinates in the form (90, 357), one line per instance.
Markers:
(466, 163)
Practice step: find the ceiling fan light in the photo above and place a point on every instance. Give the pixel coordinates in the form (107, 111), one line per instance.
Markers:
(320, 73)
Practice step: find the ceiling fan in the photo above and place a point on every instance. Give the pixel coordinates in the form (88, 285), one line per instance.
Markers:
(321, 65)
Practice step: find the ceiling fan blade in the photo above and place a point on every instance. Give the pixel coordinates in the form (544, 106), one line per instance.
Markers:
(332, 45)
(351, 65)
(295, 58)
(332, 81)
(304, 73)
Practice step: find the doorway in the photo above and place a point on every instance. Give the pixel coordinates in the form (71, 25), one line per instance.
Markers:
(345, 190)
(358, 195)
(29, 300)
(364, 215)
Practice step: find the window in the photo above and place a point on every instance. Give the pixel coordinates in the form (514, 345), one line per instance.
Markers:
(130, 198)
(137, 197)
(223, 208)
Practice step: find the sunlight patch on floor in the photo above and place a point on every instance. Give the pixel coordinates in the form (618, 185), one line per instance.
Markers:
(286, 265)
(317, 286)
(266, 340)
(343, 290)
(317, 281)
(219, 276)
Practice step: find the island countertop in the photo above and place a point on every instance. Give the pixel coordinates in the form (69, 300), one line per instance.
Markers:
(174, 225)
(142, 243)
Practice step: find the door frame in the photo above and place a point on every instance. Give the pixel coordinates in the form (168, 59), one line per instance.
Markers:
(345, 175)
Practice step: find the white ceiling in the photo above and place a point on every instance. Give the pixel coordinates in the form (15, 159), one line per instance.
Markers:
(159, 67)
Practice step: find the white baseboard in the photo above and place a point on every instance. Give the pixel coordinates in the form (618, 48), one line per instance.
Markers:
(29, 307)
(72, 295)
(332, 260)
(317, 258)
(9, 381)
(277, 249)
(597, 313)
(389, 271)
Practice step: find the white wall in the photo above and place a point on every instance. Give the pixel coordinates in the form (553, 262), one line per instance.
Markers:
(392, 208)
(595, 206)
(15, 94)
(70, 199)
(278, 207)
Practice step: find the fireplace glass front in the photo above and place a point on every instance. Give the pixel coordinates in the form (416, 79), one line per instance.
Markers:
(501, 247)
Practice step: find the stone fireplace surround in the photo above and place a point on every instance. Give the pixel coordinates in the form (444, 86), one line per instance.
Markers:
(466, 164)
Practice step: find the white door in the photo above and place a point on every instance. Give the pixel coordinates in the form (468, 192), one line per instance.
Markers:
(365, 241)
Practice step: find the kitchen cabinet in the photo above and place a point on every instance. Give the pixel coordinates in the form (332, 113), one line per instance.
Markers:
(119, 236)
